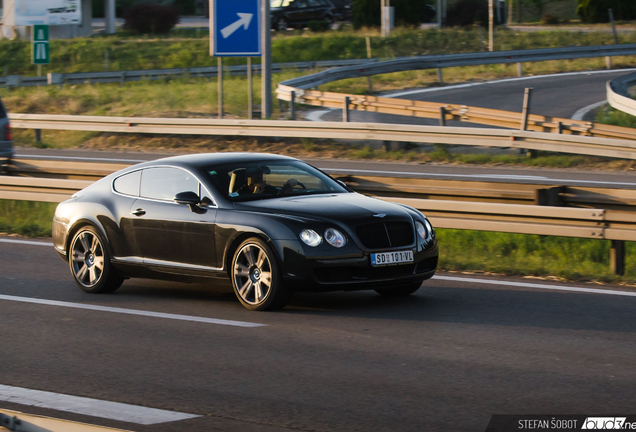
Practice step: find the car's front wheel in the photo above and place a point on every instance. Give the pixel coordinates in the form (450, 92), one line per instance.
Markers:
(256, 277)
(89, 261)
(399, 291)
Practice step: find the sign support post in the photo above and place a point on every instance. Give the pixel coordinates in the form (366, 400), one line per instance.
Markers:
(250, 91)
(266, 61)
(220, 82)
(236, 31)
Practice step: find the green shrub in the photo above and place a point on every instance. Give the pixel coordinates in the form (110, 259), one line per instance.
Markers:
(595, 11)
(319, 26)
(366, 13)
(467, 12)
(549, 19)
(150, 18)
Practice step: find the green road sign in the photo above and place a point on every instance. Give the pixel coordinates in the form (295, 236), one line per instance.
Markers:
(40, 44)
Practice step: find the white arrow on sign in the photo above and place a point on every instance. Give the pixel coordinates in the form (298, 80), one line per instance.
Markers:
(244, 20)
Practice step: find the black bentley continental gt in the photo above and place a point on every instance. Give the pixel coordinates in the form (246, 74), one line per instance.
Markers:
(272, 224)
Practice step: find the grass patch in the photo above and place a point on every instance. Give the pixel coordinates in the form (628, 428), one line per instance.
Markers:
(614, 117)
(190, 48)
(26, 218)
(531, 255)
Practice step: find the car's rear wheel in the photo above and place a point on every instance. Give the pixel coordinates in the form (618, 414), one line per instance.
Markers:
(90, 265)
(399, 291)
(256, 277)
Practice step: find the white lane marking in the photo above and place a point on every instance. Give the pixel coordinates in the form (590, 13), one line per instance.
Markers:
(26, 242)
(88, 406)
(538, 179)
(316, 116)
(583, 111)
(80, 158)
(537, 286)
(130, 311)
(505, 80)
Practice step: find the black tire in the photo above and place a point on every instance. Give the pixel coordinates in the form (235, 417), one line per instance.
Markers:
(256, 277)
(89, 261)
(399, 291)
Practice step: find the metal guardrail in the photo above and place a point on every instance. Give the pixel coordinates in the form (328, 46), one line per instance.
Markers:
(453, 60)
(43, 180)
(156, 74)
(464, 205)
(618, 95)
(483, 216)
(463, 113)
(619, 148)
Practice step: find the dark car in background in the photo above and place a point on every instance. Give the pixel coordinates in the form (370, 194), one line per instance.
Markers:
(297, 13)
(344, 9)
(6, 141)
(270, 224)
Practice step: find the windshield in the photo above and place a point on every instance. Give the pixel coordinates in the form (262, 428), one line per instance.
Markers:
(265, 180)
(279, 3)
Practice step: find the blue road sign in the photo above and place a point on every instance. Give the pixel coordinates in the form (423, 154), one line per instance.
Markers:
(235, 28)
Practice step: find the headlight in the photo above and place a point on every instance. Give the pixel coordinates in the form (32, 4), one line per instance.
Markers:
(421, 230)
(429, 227)
(310, 237)
(335, 238)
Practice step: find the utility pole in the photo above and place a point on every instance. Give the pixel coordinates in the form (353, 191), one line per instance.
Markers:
(491, 26)
(510, 12)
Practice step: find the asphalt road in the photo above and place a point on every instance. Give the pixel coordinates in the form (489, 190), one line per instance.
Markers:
(446, 358)
(560, 95)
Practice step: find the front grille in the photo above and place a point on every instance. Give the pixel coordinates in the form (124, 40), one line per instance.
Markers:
(352, 274)
(382, 235)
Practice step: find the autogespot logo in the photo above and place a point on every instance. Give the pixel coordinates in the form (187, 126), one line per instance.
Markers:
(607, 423)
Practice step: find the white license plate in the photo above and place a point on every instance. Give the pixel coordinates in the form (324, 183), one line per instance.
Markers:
(388, 258)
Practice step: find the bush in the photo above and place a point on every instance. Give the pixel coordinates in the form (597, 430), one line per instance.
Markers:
(366, 13)
(319, 26)
(595, 11)
(549, 19)
(467, 12)
(150, 18)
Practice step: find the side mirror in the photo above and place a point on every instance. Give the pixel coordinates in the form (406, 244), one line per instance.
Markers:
(187, 198)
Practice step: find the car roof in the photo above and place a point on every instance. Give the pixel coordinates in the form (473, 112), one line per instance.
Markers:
(206, 159)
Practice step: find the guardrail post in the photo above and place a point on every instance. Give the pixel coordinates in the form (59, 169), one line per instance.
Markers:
(345, 109)
(608, 62)
(617, 257)
(122, 78)
(610, 12)
(55, 78)
(559, 128)
(38, 135)
(519, 69)
(440, 76)
(442, 116)
(292, 106)
(527, 99)
(14, 80)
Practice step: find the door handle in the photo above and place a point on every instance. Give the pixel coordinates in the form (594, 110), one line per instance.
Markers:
(139, 212)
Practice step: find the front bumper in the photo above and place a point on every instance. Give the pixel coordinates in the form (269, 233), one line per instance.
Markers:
(352, 273)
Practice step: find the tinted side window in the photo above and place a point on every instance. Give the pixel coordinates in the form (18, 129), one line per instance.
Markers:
(3, 112)
(128, 184)
(165, 183)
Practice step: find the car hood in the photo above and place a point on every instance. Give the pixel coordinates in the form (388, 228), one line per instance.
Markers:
(341, 206)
